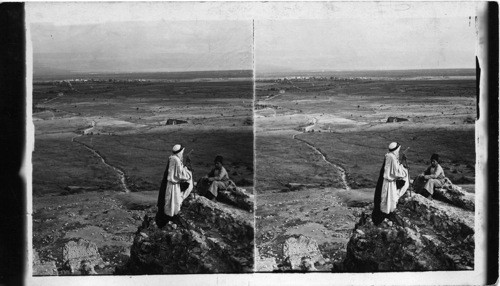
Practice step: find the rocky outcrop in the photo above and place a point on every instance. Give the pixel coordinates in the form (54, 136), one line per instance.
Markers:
(265, 264)
(237, 197)
(81, 256)
(449, 193)
(211, 238)
(301, 253)
(454, 195)
(232, 195)
(47, 268)
(426, 235)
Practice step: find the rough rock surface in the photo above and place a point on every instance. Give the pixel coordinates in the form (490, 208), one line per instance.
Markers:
(265, 264)
(455, 196)
(43, 268)
(301, 253)
(427, 235)
(81, 257)
(212, 238)
(237, 197)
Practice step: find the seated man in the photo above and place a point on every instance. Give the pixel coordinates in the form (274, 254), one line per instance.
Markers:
(433, 177)
(214, 181)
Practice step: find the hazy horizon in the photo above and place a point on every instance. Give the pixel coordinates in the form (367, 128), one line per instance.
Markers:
(197, 36)
(241, 73)
(142, 47)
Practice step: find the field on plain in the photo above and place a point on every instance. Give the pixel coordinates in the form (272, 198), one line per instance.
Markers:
(101, 147)
(320, 144)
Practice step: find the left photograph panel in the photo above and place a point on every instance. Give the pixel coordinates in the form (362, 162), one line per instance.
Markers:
(143, 160)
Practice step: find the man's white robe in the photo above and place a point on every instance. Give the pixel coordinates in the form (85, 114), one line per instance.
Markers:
(393, 170)
(177, 173)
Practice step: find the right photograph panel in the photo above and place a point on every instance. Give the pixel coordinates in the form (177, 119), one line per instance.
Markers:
(365, 141)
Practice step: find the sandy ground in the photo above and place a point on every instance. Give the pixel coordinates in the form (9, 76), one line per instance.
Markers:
(324, 214)
(102, 218)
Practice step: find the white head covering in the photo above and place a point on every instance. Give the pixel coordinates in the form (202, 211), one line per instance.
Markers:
(177, 148)
(394, 146)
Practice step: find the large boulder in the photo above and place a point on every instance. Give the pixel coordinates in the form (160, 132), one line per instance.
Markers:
(47, 268)
(81, 256)
(456, 196)
(265, 264)
(237, 197)
(450, 193)
(426, 235)
(212, 238)
(301, 253)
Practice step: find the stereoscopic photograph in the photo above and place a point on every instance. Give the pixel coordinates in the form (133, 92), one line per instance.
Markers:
(266, 140)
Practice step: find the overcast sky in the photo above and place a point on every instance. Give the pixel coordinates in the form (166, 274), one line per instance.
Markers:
(154, 36)
(143, 46)
(355, 44)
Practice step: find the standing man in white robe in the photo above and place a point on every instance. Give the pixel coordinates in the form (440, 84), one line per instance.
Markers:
(173, 189)
(393, 170)
(177, 173)
(387, 193)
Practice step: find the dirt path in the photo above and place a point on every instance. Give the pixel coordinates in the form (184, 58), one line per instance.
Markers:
(52, 99)
(120, 173)
(271, 97)
(272, 109)
(323, 156)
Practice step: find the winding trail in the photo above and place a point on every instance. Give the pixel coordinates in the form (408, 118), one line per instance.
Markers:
(271, 97)
(323, 156)
(118, 171)
(268, 108)
(52, 99)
